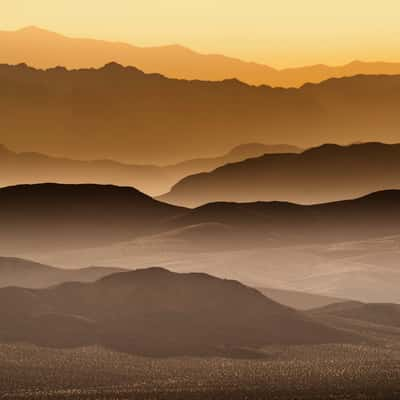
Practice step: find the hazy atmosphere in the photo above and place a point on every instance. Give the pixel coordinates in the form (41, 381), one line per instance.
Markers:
(282, 34)
(199, 200)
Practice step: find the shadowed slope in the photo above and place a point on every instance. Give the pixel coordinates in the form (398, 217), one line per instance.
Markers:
(52, 216)
(281, 224)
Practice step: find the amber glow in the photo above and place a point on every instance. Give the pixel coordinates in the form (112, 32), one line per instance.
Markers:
(281, 34)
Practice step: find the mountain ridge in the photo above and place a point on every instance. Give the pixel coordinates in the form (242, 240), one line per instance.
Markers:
(386, 314)
(31, 167)
(17, 272)
(76, 216)
(119, 100)
(317, 175)
(174, 60)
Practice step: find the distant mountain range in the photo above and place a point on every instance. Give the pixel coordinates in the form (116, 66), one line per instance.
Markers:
(126, 115)
(44, 49)
(322, 174)
(157, 312)
(299, 300)
(26, 168)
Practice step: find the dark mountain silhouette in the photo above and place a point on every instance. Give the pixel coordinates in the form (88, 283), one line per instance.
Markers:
(29, 274)
(238, 153)
(124, 114)
(376, 313)
(52, 216)
(280, 223)
(28, 168)
(344, 249)
(156, 312)
(326, 173)
(44, 49)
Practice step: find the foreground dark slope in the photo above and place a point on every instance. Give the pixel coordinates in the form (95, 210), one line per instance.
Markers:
(29, 274)
(326, 173)
(29, 168)
(155, 311)
(124, 114)
(51, 216)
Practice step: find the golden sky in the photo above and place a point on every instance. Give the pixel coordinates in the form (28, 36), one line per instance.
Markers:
(281, 33)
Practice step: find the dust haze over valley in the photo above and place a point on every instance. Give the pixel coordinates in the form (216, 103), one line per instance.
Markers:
(175, 225)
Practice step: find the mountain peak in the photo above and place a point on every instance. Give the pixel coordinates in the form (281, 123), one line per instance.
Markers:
(113, 66)
(151, 273)
(36, 31)
(247, 147)
(360, 146)
(116, 67)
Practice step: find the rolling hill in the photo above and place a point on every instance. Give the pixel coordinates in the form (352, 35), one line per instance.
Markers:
(29, 274)
(317, 175)
(344, 249)
(29, 168)
(16, 272)
(47, 217)
(282, 223)
(53, 217)
(168, 314)
(129, 116)
(376, 313)
(31, 45)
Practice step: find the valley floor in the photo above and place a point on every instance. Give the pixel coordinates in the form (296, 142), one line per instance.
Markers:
(297, 372)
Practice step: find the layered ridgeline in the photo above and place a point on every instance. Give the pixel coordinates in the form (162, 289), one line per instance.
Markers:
(127, 115)
(346, 249)
(156, 312)
(46, 217)
(49, 217)
(25, 167)
(384, 314)
(322, 174)
(31, 45)
(18, 272)
(29, 274)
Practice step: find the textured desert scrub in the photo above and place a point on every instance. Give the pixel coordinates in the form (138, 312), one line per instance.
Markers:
(343, 371)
